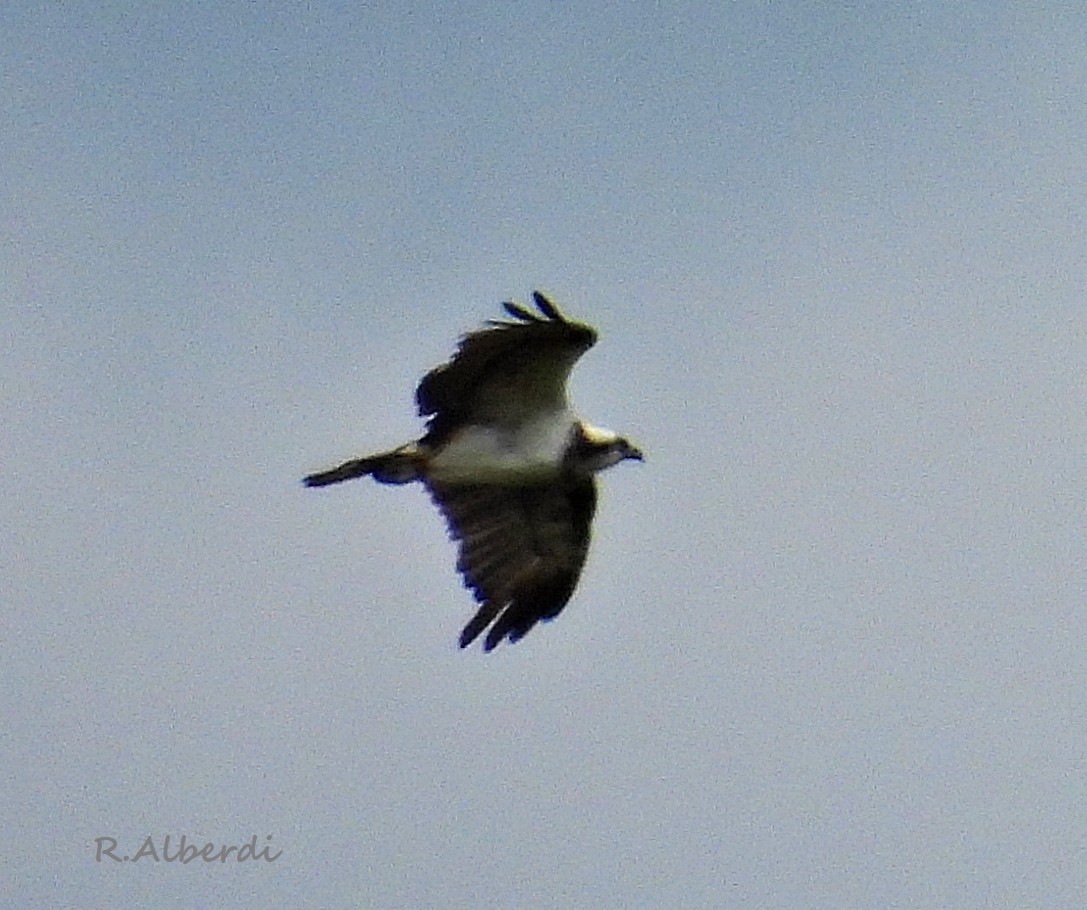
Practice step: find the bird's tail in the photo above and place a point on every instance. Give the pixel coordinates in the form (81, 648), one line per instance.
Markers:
(401, 465)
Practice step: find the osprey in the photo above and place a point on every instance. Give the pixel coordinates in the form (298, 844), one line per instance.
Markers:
(508, 464)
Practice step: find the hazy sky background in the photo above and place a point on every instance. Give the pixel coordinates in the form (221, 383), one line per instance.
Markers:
(830, 649)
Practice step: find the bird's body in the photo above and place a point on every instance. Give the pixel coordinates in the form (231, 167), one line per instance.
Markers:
(531, 450)
(509, 465)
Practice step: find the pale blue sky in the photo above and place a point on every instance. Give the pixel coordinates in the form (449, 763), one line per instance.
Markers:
(829, 649)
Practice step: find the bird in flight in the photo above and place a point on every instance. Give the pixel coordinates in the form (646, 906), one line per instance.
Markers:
(509, 465)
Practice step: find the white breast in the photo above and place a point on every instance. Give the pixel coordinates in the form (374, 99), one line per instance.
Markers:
(490, 454)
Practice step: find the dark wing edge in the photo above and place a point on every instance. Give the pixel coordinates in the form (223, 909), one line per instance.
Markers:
(550, 312)
(522, 550)
(446, 392)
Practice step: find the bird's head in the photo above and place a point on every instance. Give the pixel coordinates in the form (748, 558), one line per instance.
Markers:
(597, 449)
(625, 449)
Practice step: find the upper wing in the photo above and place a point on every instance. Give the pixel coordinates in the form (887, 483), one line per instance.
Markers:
(506, 371)
(521, 550)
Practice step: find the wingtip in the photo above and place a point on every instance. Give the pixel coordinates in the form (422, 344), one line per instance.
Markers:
(473, 630)
(547, 307)
(519, 312)
(466, 640)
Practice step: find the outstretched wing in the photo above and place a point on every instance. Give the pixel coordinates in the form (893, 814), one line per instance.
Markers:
(521, 550)
(506, 372)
